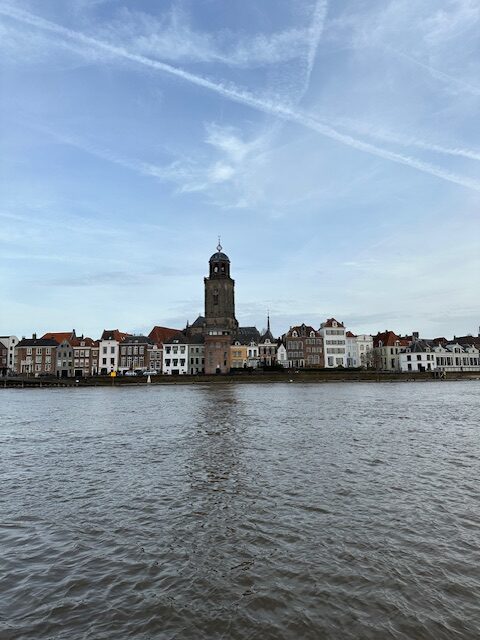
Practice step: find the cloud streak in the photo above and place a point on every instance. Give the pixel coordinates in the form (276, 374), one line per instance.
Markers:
(233, 93)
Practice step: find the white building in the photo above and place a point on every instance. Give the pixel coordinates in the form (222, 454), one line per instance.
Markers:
(418, 356)
(334, 343)
(455, 357)
(359, 350)
(175, 356)
(282, 354)
(109, 350)
(10, 342)
(422, 355)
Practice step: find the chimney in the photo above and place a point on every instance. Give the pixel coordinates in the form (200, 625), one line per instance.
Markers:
(34, 336)
(415, 336)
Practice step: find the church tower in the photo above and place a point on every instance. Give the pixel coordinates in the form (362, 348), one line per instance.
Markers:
(219, 294)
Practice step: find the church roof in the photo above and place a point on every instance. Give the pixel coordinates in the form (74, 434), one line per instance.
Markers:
(199, 322)
(245, 335)
(267, 336)
(219, 256)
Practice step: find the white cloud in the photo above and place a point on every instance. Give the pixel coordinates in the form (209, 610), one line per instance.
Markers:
(172, 37)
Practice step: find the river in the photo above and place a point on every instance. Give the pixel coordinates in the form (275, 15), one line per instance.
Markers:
(266, 512)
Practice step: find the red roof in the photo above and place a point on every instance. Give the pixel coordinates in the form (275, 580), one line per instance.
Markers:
(389, 339)
(349, 334)
(159, 335)
(59, 336)
(77, 342)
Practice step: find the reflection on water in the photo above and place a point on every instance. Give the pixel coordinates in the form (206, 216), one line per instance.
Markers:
(224, 511)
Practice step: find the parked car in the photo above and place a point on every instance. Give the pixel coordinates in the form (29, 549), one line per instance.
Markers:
(129, 373)
(150, 372)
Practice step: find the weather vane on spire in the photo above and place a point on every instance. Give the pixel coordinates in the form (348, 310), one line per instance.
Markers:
(219, 246)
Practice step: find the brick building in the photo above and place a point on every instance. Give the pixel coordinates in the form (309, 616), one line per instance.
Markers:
(36, 356)
(304, 347)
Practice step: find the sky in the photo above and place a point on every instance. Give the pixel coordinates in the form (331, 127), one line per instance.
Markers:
(333, 145)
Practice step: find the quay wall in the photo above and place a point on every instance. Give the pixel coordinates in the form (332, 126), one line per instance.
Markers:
(301, 376)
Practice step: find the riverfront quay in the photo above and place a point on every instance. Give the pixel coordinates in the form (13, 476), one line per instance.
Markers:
(256, 377)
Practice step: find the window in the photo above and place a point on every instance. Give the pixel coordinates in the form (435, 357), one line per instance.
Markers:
(104, 350)
(112, 349)
(167, 362)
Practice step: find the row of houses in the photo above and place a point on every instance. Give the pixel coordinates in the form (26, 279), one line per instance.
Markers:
(190, 352)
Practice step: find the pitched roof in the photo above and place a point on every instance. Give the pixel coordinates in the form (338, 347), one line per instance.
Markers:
(159, 335)
(389, 339)
(464, 340)
(178, 338)
(418, 346)
(330, 321)
(303, 330)
(113, 334)
(59, 336)
(199, 322)
(87, 342)
(349, 334)
(267, 336)
(245, 335)
(37, 342)
(137, 340)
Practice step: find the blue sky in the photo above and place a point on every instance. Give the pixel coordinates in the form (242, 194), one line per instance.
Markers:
(335, 146)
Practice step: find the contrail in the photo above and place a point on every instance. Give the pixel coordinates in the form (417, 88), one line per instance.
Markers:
(242, 97)
(404, 140)
(436, 73)
(315, 31)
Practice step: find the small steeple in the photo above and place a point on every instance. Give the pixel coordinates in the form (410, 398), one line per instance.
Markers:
(219, 245)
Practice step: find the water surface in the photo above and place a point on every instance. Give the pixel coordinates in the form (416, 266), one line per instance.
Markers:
(273, 511)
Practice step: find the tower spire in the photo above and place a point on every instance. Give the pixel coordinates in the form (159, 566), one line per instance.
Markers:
(219, 245)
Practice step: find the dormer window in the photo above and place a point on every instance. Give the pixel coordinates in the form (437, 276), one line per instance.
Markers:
(334, 324)
(295, 334)
(312, 334)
